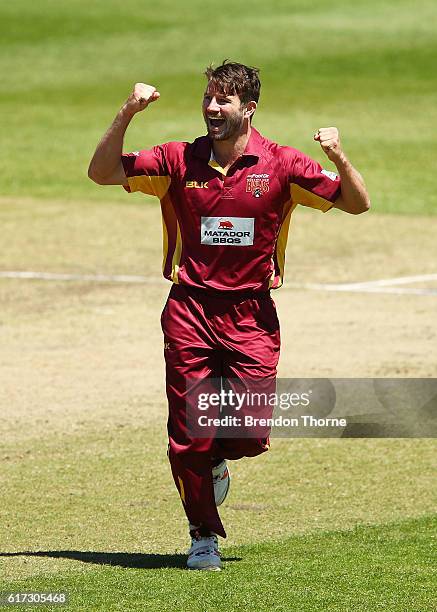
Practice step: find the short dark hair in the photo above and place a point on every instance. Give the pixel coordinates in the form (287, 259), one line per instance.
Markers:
(235, 79)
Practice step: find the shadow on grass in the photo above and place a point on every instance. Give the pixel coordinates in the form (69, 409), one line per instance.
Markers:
(135, 560)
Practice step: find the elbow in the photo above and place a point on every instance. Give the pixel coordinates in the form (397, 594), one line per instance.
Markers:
(362, 208)
(365, 207)
(93, 176)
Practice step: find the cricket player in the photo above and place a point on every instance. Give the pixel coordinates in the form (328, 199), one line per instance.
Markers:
(226, 202)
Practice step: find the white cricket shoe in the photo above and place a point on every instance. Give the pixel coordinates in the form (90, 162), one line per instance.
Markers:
(204, 554)
(221, 479)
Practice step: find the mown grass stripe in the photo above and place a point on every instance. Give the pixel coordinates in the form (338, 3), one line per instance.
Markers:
(387, 567)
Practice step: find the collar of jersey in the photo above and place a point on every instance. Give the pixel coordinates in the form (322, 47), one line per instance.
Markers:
(214, 163)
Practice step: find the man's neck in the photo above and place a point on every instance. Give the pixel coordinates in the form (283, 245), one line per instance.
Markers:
(226, 152)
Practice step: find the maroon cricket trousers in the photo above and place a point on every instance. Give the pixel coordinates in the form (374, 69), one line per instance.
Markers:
(229, 335)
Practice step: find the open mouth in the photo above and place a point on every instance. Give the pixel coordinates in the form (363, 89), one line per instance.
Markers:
(215, 122)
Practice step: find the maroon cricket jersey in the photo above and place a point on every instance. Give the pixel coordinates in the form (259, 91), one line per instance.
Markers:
(228, 231)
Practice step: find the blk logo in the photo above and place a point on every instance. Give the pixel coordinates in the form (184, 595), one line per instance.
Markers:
(196, 185)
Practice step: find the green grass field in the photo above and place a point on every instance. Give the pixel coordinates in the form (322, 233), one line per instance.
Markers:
(84, 516)
(367, 67)
(357, 570)
(87, 503)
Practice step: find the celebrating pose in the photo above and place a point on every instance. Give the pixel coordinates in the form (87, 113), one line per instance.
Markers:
(226, 202)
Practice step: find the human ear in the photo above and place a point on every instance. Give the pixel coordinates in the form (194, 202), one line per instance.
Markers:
(250, 108)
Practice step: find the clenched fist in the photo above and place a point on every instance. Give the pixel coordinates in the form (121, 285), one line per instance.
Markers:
(141, 96)
(329, 139)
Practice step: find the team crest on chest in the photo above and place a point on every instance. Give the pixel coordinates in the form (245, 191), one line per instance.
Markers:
(257, 184)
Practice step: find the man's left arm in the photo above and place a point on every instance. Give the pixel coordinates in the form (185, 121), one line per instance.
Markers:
(354, 198)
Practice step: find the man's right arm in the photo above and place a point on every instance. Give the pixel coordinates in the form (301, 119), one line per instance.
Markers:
(106, 167)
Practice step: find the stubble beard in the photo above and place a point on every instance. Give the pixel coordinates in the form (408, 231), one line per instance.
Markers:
(231, 128)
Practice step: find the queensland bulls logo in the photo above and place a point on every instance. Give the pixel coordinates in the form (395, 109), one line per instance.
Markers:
(225, 224)
(257, 184)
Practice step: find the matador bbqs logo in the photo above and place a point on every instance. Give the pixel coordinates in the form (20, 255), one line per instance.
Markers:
(257, 184)
(225, 224)
(238, 231)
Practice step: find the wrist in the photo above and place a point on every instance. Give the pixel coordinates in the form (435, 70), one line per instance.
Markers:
(340, 160)
(125, 113)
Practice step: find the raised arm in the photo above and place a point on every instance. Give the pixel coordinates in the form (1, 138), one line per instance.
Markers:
(354, 198)
(105, 167)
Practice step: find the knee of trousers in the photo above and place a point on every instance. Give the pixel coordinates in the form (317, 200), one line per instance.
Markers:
(195, 453)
